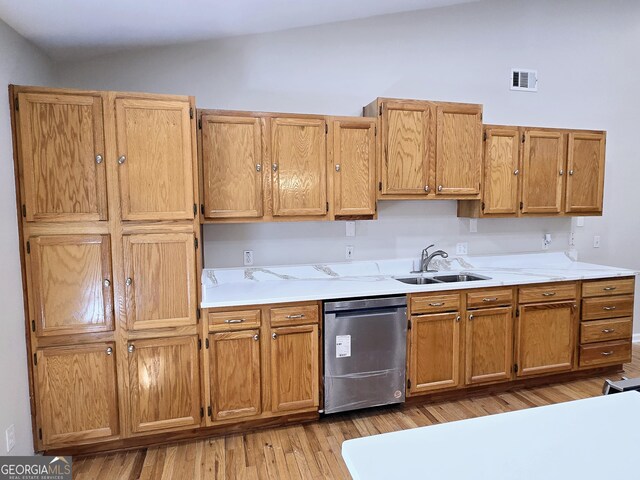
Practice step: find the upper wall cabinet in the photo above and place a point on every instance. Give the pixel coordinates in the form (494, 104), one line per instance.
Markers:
(154, 149)
(585, 169)
(61, 144)
(428, 149)
(542, 171)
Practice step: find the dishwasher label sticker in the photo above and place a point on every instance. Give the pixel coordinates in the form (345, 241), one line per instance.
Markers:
(343, 346)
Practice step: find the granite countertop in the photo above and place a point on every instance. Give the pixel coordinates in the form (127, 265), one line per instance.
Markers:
(229, 287)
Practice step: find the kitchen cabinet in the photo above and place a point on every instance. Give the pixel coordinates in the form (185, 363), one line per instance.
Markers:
(164, 383)
(61, 143)
(232, 163)
(299, 164)
(155, 158)
(585, 169)
(76, 394)
(160, 280)
(352, 163)
(543, 168)
(71, 290)
(236, 378)
(501, 171)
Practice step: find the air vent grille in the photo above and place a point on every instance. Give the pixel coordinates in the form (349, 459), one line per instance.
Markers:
(524, 80)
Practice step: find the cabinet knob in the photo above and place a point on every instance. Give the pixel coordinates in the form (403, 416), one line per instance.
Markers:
(122, 159)
(439, 188)
(571, 172)
(337, 168)
(516, 171)
(109, 350)
(256, 337)
(258, 167)
(131, 348)
(458, 318)
(106, 283)
(274, 167)
(274, 335)
(128, 282)
(561, 172)
(471, 316)
(99, 159)
(426, 188)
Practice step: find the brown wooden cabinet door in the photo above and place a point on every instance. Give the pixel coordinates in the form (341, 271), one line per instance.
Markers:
(299, 165)
(160, 280)
(585, 169)
(71, 284)
(232, 166)
(164, 383)
(155, 159)
(459, 150)
(76, 393)
(235, 374)
(543, 170)
(501, 170)
(408, 148)
(489, 345)
(545, 338)
(294, 368)
(434, 358)
(62, 153)
(353, 151)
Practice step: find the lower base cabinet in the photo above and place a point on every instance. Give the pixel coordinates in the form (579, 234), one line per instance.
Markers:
(76, 393)
(164, 383)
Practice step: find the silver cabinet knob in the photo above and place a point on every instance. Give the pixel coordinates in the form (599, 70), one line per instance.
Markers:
(256, 337)
(571, 172)
(131, 348)
(122, 159)
(337, 168)
(258, 167)
(561, 172)
(471, 316)
(458, 318)
(128, 282)
(106, 283)
(516, 171)
(109, 351)
(99, 159)
(439, 188)
(426, 188)
(274, 167)
(274, 335)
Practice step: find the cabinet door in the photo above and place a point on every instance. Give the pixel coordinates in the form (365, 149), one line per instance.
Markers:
(232, 166)
(160, 271)
(294, 368)
(62, 152)
(501, 171)
(155, 159)
(459, 150)
(235, 392)
(543, 170)
(299, 166)
(585, 168)
(434, 358)
(408, 145)
(77, 393)
(545, 338)
(71, 284)
(354, 169)
(164, 383)
(489, 345)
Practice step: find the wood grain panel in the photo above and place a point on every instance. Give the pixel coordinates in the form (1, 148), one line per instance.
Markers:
(71, 284)
(353, 162)
(489, 298)
(606, 330)
(77, 393)
(489, 345)
(237, 319)
(156, 177)
(501, 170)
(294, 368)
(161, 272)
(164, 385)
(294, 315)
(543, 169)
(299, 161)
(60, 137)
(607, 307)
(585, 169)
(608, 287)
(232, 166)
(235, 374)
(609, 353)
(459, 150)
(546, 293)
(432, 303)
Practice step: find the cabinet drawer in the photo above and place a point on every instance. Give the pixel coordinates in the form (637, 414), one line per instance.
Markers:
(605, 330)
(601, 288)
(435, 303)
(548, 293)
(607, 307)
(294, 315)
(605, 353)
(236, 320)
(489, 298)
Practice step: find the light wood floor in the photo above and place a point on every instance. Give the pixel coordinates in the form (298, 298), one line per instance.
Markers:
(313, 450)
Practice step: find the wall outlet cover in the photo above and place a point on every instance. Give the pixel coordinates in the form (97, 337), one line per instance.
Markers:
(596, 241)
(462, 248)
(247, 258)
(473, 225)
(351, 229)
(10, 435)
(348, 254)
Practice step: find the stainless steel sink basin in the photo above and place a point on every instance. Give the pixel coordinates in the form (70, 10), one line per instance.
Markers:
(418, 280)
(460, 277)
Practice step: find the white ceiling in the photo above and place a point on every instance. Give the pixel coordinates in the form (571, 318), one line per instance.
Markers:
(68, 29)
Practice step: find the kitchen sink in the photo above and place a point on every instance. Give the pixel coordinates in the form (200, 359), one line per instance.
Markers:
(418, 280)
(460, 277)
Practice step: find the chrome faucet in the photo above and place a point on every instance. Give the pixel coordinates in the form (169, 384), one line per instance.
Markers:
(426, 258)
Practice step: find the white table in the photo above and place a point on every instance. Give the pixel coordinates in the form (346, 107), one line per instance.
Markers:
(594, 438)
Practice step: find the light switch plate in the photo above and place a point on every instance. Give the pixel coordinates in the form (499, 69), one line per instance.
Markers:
(10, 434)
(596, 241)
(247, 257)
(351, 229)
(473, 225)
(579, 221)
(348, 254)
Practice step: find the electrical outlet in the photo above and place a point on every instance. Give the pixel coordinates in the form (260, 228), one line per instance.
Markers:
(10, 434)
(572, 239)
(462, 248)
(351, 229)
(596, 241)
(247, 257)
(348, 254)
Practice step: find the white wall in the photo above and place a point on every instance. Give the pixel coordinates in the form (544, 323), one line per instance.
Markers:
(20, 63)
(586, 52)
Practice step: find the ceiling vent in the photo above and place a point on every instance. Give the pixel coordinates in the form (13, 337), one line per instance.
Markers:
(524, 80)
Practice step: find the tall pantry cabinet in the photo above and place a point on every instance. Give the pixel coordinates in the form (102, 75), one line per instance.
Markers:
(107, 195)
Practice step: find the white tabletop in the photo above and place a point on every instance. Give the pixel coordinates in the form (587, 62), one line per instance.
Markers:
(594, 438)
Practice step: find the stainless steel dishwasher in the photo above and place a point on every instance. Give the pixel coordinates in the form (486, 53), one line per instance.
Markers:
(365, 351)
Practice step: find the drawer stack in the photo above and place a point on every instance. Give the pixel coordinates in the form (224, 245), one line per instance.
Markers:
(606, 322)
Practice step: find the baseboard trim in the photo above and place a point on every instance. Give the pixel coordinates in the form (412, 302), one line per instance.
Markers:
(636, 338)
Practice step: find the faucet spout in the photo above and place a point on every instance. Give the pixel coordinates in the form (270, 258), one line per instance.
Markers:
(426, 258)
